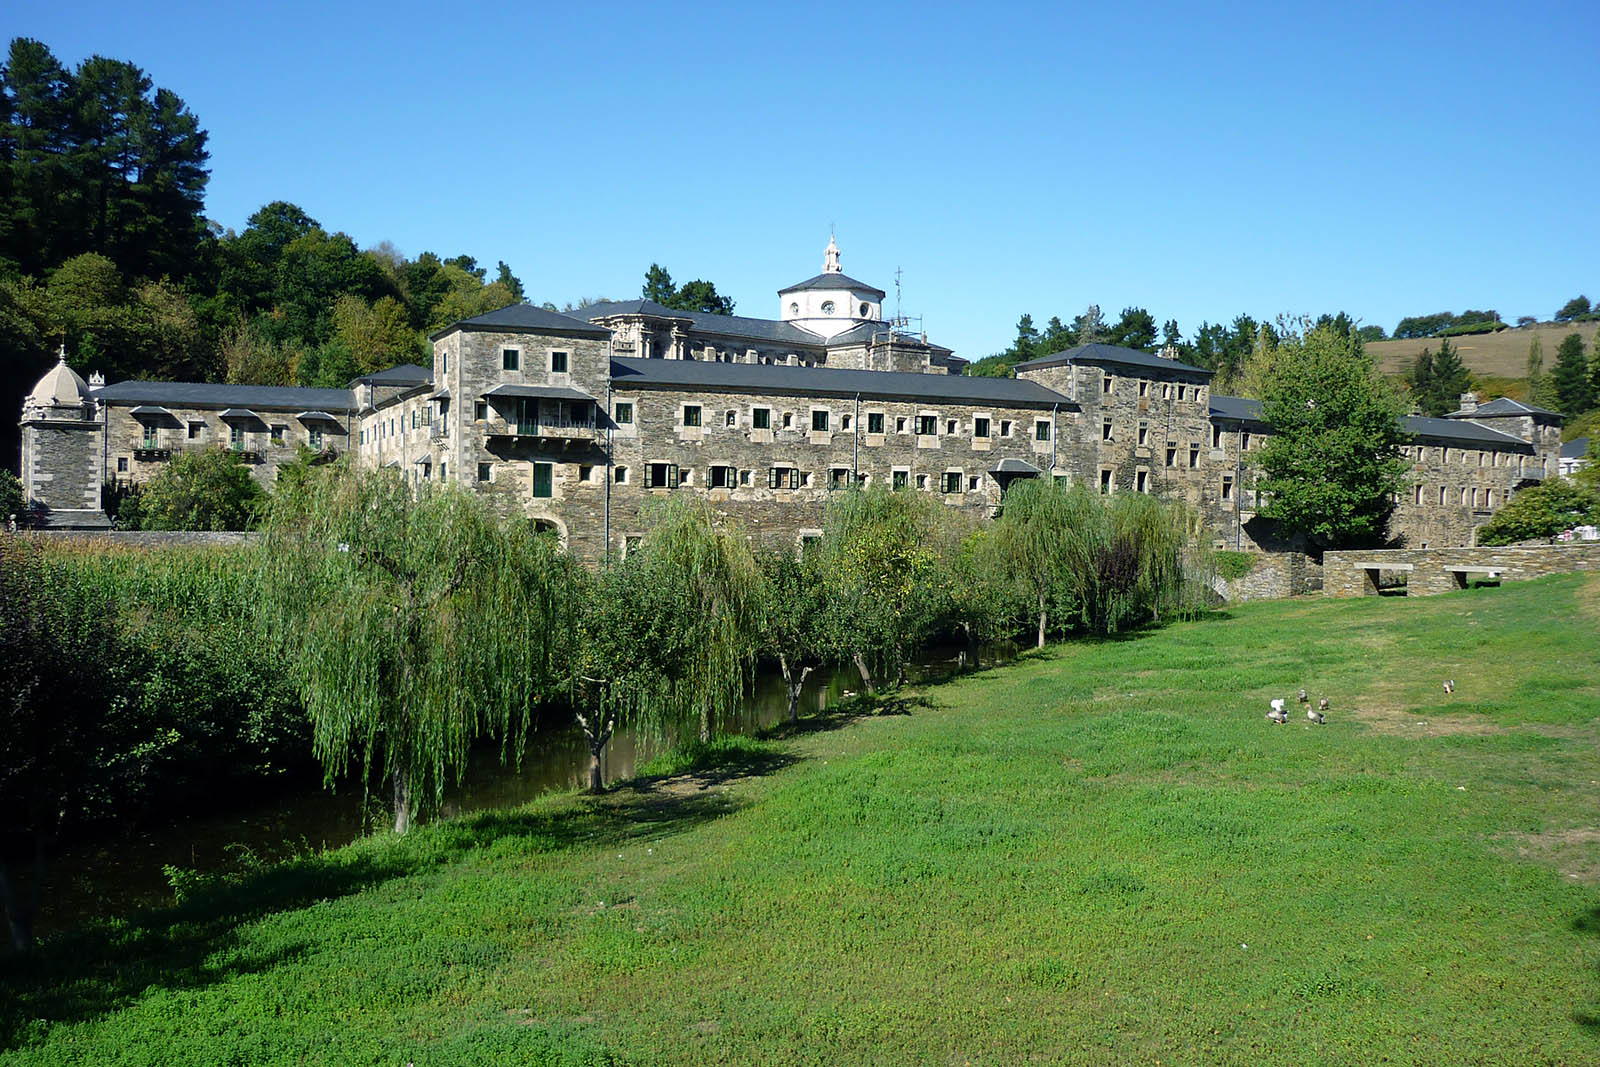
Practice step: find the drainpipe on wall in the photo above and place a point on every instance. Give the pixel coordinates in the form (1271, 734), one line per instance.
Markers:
(855, 447)
(1054, 433)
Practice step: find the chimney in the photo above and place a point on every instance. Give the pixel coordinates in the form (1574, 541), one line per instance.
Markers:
(1169, 352)
(1469, 403)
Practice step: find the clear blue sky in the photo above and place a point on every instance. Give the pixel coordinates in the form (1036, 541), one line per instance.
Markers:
(1199, 160)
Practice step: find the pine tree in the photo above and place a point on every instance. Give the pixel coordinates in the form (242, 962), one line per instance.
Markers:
(1421, 380)
(1450, 380)
(1574, 391)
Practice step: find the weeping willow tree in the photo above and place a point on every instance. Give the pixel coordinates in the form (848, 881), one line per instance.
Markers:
(1127, 558)
(668, 637)
(1033, 537)
(416, 622)
(884, 556)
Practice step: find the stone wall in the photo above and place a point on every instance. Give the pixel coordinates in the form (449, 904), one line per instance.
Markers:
(1347, 574)
(1275, 575)
(61, 465)
(135, 456)
(148, 538)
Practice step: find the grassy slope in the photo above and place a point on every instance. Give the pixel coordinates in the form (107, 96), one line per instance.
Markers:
(1104, 855)
(1492, 355)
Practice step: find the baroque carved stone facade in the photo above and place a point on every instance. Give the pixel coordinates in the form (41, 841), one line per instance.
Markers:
(578, 421)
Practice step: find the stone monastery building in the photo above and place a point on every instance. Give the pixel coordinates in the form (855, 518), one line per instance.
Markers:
(579, 420)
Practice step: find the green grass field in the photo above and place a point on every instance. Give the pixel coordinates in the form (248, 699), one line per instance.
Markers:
(1488, 355)
(1100, 855)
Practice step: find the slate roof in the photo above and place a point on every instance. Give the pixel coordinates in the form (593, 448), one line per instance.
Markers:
(1460, 431)
(824, 381)
(1238, 409)
(704, 322)
(1244, 410)
(222, 395)
(549, 392)
(1502, 406)
(1102, 353)
(526, 317)
(1576, 448)
(404, 374)
(833, 281)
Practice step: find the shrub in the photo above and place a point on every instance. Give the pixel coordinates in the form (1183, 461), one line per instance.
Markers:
(1543, 510)
(1233, 565)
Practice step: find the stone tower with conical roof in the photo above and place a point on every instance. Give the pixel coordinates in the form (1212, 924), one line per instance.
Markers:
(63, 451)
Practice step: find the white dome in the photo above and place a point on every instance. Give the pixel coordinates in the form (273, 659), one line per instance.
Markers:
(60, 387)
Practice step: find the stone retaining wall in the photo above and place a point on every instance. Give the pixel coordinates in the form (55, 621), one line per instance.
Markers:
(1439, 570)
(149, 538)
(1276, 575)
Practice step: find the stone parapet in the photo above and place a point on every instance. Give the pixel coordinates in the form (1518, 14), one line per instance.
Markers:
(1428, 571)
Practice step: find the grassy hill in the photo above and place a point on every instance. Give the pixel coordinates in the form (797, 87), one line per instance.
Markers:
(1494, 355)
(1099, 855)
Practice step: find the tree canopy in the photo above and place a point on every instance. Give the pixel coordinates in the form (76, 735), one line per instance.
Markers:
(201, 489)
(1332, 467)
(698, 295)
(1569, 378)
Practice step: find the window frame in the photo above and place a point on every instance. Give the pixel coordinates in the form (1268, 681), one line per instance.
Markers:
(510, 360)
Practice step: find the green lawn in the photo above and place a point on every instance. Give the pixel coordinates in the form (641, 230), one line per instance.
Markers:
(1103, 854)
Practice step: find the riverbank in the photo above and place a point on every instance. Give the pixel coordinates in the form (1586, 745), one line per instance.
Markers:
(1101, 854)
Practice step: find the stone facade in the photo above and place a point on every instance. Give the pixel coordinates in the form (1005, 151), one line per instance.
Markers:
(1440, 570)
(578, 421)
(1275, 575)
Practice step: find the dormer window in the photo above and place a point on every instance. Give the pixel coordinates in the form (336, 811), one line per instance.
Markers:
(827, 307)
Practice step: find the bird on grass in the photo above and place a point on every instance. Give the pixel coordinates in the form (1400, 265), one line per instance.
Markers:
(1322, 704)
(1301, 696)
(1315, 716)
(1449, 686)
(1277, 714)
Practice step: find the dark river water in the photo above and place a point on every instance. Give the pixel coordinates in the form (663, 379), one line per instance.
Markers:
(118, 875)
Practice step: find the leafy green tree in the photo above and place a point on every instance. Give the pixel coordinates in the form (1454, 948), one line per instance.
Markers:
(1371, 333)
(1577, 307)
(1135, 329)
(512, 283)
(1570, 377)
(12, 497)
(668, 640)
(883, 554)
(1420, 381)
(201, 489)
(56, 638)
(1171, 335)
(1332, 467)
(1032, 539)
(1090, 327)
(96, 160)
(658, 286)
(701, 295)
(378, 336)
(1448, 381)
(793, 618)
(1542, 510)
(414, 622)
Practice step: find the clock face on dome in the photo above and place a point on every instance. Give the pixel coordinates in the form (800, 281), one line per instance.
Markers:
(827, 307)
(794, 309)
(865, 310)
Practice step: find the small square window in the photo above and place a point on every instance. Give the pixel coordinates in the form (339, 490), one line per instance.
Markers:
(510, 359)
(819, 422)
(927, 426)
(313, 438)
(1172, 454)
(480, 410)
(1227, 487)
(731, 419)
(585, 472)
(1144, 434)
(122, 464)
(972, 484)
(838, 477)
(874, 422)
(744, 477)
(278, 431)
(844, 422)
(950, 427)
(195, 429)
(1194, 456)
(1244, 441)
(1041, 430)
(624, 414)
(761, 418)
(1216, 437)
(900, 479)
(485, 472)
(1105, 480)
(558, 362)
(691, 414)
(1005, 427)
(980, 427)
(788, 420)
(900, 425)
(1141, 481)
(922, 481)
(805, 478)
(1105, 430)
(1181, 391)
(1106, 384)
(951, 482)
(721, 477)
(619, 475)
(1144, 388)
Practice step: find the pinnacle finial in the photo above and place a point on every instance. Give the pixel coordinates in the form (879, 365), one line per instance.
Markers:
(830, 258)
(62, 353)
